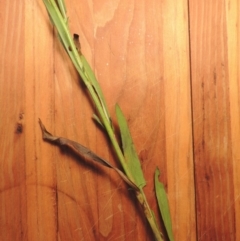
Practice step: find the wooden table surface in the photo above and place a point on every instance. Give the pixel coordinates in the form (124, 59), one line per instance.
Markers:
(174, 68)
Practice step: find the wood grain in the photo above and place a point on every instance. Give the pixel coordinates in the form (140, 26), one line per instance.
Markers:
(215, 90)
(13, 218)
(173, 66)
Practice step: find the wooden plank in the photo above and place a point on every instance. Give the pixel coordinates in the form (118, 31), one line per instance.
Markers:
(41, 179)
(215, 83)
(12, 165)
(178, 119)
(232, 9)
(28, 183)
(140, 53)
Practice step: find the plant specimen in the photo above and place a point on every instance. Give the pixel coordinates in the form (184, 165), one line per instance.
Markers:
(132, 173)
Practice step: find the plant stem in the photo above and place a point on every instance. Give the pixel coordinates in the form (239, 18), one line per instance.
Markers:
(140, 194)
(149, 215)
(58, 17)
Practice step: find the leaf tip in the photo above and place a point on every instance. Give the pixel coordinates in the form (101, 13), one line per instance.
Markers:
(157, 172)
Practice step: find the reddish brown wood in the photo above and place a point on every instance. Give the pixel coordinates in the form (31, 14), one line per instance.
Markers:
(215, 92)
(173, 66)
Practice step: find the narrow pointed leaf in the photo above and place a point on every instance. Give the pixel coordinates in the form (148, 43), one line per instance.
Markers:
(83, 152)
(57, 13)
(89, 72)
(129, 151)
(62, 7)
(163, 205)
(63, 32)
(98, 121)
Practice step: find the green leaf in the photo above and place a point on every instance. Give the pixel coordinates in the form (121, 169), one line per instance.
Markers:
(98, 121)
(163, 205)
(131, 157)
(57, 13)
(60, 23)
(62, 7)
(91, 76)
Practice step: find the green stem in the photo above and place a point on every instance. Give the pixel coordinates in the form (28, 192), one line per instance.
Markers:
(149, 215)
(59, 19)
(140, 194)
